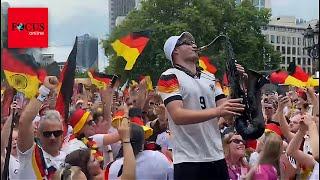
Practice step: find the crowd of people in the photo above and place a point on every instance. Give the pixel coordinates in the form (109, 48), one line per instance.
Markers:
(183, 129)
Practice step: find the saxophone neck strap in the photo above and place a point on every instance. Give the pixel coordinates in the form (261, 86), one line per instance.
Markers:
(188, 72)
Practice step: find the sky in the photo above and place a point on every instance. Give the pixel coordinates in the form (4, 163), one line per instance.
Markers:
(305, 9)
(69, 18)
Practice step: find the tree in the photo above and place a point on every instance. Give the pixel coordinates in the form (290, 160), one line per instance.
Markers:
(204, 19)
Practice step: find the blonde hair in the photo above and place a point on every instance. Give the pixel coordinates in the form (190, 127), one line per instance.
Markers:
(271, 151)
(69, 173)
(226, 148)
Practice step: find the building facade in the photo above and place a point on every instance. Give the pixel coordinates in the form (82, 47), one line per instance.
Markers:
(119, 8)
(285, 34)
(87, 51)
(258, 3)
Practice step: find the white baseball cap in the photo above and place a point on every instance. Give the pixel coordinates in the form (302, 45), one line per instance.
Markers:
(170, 44)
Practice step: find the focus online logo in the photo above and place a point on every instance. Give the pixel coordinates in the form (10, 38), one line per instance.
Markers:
(27, 27)
(31, 28)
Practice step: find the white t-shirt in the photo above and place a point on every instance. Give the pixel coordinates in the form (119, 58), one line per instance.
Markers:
(199, 142)
(149, 165)
(28, 167)
(163, 140)
(14, 165)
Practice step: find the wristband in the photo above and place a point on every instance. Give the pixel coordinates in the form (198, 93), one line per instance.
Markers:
(43, 93)
(126, 142)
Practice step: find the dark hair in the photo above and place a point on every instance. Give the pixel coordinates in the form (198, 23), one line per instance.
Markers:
(79, 158)
(136, 139)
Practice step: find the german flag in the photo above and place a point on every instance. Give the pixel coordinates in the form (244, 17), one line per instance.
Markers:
(22, 72)
(168, 83)
(66, 83)
(130, 47)
(282, 77)
(205, 63)
(298, 73)
(100, 80)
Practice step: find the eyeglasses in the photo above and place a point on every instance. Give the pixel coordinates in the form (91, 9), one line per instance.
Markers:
(91, 123)
(185, 42)
(151, 103)
(237, 141)
(48, 134)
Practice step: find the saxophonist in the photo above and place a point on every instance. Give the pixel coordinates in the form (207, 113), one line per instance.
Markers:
(194, 106)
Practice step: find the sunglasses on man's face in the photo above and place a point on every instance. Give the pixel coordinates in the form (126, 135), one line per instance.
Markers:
(48, 134)
(185, 42)
(237, 141)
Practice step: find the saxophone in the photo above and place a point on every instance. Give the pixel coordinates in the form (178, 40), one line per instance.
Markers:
(250, 124)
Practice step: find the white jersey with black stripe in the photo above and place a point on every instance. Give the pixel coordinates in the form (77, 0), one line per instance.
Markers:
(199, 142)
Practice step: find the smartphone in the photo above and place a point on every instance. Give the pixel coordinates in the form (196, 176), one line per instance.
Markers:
(282, 89)
(19, 98)
(80, 88)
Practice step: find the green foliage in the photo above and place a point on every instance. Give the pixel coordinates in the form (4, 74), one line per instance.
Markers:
(205, 19)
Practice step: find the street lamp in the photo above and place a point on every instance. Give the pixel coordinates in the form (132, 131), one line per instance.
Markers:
(311, 41)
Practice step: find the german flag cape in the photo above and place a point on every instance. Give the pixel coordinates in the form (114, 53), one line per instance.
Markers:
(39, 165)
(130, 47)
(22, 72)
(66, 82)
(101, 80)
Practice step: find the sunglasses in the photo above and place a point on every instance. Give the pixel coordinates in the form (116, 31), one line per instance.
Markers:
(91, 123)
(48, 134)
(237, 141)
(185, 42)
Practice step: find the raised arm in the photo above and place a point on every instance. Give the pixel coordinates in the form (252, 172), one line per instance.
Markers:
(314, 101)
(129, 161)
(293, 148)
(314, 135)
(25, 136)
(279, 116)
(5, 132)
(106, 97)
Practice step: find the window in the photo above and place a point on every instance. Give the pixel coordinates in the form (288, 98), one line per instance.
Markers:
(298, 60)
(299, 51)
(288, 50)
(288, 40)
(309, 61)
(283, 40)
(278, 39)
(299, 41)
(272, 39)
(294, 50)
(293, 41)
(283, 60)
(288, 60)
(278, 48)
(294, 59)
(283, 50)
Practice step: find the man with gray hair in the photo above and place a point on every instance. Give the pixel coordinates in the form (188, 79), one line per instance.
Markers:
(40, 161)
